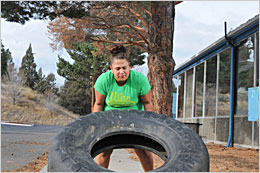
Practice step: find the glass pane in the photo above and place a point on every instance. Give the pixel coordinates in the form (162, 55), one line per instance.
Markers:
(245, 75)
(180, 95)
(210, 95)
(257, 59)
(188, 99)
(174, 94)
(198, 101)
(224, 83)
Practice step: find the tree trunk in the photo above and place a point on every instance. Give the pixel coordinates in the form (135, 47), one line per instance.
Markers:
(93, 94)
(160, 60)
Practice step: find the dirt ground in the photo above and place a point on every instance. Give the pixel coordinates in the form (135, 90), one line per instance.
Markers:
(222, 159)
(34, 166)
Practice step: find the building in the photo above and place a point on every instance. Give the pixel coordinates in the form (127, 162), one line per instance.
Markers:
(215, 89)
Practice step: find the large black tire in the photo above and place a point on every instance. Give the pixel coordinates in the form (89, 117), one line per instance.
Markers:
(75, 147)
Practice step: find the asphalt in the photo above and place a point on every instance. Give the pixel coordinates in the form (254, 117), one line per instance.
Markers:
(120, 162)
(23, 144)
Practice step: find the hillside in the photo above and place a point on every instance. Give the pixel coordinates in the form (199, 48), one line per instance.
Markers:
(32, 107)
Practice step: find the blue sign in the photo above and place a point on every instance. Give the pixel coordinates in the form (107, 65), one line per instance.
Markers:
(253, 104)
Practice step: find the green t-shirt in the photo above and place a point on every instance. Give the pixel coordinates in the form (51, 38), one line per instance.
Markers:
(126, 96)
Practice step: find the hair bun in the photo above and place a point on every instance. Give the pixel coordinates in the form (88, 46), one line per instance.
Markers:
(118, 49)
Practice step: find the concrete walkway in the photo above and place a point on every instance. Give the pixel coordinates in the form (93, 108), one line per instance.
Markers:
(120, 161)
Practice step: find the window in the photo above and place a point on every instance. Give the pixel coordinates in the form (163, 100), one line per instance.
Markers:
(198, 93)
(245, 74)
(188, 99)
(210, 93)
(224, 83)
(180, 96)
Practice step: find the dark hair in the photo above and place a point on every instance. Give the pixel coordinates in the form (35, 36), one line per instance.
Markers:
(118, 52)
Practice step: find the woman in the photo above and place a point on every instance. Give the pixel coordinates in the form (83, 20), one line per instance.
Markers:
(123, 88)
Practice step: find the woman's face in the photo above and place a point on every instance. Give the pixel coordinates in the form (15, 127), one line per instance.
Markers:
(121, 69)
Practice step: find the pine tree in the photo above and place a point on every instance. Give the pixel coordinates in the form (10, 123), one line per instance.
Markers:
(50, 84)
(6, 59)
(86, 68)
(75, 97)
(51, 90)
(40, 85)
(86, 64)
(46, 85)
(28, 69)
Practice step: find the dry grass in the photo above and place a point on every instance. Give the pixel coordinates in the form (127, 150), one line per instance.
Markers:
(32, 107)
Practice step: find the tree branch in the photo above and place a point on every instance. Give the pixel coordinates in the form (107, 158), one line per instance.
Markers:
(106, 25)
(137, 43)
(145, 10)
(138, 15)
(137, 31)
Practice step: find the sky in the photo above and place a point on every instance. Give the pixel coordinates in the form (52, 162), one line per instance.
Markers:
(197, 25)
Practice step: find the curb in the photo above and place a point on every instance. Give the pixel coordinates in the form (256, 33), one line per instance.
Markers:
(17, 124)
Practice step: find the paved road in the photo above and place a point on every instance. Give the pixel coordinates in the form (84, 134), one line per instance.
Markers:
(23, 144)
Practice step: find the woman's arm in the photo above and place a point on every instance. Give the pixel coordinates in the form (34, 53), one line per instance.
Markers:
(99, 103)
(147, 101)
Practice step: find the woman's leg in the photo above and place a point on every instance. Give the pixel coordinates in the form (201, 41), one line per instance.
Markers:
(103, 158)
(146, 159)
